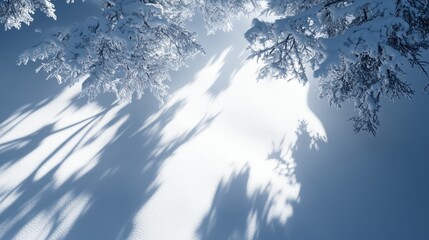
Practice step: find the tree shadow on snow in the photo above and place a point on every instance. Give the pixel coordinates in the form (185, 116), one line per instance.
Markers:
(100, 198)
(112, 186)
(237, 213)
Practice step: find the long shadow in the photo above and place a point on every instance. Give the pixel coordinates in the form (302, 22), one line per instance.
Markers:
(124, 174)
(355, 187)
(135, 167)
(118, 185)
(231, 208)
(234, 214)
(120, 182)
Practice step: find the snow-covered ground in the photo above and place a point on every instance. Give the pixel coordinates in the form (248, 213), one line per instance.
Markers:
(226, 157)
(220, 150)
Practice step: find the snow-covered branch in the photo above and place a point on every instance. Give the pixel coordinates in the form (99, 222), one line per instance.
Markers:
(13, 13)
(130, 48)
(358, 50)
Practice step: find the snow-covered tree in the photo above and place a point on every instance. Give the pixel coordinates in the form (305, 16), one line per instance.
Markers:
(131, 46)
(15, 12)
(358, 50)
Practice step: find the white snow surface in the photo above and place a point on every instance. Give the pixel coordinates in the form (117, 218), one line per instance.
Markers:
(88, 171)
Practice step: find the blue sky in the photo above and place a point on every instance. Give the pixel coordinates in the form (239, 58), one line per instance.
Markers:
(211, 163)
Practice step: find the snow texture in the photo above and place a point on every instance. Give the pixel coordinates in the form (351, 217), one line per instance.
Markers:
(214, 162)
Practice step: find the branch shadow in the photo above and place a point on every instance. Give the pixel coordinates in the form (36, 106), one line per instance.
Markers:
(99, 197)
(55, 187)
(237, 212)
(231, 207)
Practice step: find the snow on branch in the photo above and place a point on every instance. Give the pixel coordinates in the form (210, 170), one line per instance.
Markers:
(13, 13)
(358, 50)
(130, 48)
